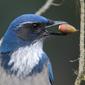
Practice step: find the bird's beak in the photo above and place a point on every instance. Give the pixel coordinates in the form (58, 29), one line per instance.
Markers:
(62, 27)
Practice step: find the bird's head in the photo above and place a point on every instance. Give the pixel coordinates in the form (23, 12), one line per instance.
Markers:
(27, 29)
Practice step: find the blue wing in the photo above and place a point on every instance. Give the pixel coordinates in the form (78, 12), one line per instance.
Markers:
(50, 73)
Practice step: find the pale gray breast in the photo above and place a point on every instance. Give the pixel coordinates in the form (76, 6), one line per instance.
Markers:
(36, 79)
(41, 78)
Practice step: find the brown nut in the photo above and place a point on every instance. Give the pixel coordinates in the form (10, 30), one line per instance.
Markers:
(67, 28)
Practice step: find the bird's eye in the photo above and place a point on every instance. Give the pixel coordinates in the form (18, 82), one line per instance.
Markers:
(37, 26)
(34, 25)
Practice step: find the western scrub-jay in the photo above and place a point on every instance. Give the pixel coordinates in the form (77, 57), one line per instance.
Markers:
(22, 59)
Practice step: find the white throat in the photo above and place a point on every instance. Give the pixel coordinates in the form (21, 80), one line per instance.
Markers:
(26, 58)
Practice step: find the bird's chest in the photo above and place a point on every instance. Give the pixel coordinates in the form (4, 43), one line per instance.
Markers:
(26, 61)
(38, 79)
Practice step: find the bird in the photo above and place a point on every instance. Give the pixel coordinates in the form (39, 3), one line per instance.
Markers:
(22, 58)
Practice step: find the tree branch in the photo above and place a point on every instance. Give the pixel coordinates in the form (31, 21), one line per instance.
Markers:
(81, 73)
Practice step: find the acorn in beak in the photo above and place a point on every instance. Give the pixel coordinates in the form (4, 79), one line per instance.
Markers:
(63, 28)
(67, 28)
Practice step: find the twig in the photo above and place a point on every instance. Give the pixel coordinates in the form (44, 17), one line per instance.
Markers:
(72, 61)
(44, 7)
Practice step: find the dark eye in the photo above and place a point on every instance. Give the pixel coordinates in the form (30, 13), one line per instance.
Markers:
(37, 26)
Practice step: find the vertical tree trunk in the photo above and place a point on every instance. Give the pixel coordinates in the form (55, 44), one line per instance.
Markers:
(81, 73)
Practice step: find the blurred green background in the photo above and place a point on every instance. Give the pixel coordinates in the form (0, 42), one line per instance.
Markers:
(60, 49)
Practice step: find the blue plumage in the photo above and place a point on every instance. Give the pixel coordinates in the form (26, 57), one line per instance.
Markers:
(10, 40)
(24, 57)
